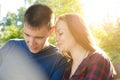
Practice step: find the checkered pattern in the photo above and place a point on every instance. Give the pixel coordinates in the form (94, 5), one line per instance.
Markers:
(95, 66)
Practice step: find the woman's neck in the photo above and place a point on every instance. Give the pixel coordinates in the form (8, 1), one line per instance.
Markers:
(78, 54)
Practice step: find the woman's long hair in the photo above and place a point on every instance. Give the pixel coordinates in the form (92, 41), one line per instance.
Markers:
(79, 31)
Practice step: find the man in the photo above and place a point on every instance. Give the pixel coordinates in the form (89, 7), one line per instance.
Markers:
(40, 54)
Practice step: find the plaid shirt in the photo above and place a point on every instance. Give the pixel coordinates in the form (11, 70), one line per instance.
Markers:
(95, 66)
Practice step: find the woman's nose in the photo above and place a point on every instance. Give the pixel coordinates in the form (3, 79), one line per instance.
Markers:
(56, 38)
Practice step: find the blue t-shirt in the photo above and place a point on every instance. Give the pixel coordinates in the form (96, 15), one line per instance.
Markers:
(48, 63)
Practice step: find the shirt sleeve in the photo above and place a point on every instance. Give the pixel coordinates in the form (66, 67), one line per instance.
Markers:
(98, 68)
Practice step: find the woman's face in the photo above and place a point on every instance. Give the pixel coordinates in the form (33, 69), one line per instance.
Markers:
(64, 39)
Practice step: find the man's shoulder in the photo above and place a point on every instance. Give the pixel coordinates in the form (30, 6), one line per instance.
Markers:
(14, 41)
(11, 45)
(54, 49)
(99, 57)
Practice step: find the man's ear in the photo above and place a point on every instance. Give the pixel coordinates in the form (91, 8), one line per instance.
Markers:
(52, 30)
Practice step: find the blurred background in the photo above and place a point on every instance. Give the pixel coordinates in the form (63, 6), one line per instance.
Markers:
(102, 16)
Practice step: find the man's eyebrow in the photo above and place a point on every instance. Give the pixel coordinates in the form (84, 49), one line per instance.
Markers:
(39, 36)
(26, 34)
(35, 36)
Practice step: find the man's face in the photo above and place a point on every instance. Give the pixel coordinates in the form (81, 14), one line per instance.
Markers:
(35, 39)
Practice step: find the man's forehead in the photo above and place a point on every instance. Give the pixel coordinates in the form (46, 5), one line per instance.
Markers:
(26, 25)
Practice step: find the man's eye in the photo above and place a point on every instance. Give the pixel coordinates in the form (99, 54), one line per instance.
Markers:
(27, 35)
(40, 37)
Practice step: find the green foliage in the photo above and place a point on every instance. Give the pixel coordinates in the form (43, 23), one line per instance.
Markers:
(67, 6)
(63, 6)
(20, 16)
(14, 18)
(107, 37)
(9, 19)
(52, 39)
(12, 32)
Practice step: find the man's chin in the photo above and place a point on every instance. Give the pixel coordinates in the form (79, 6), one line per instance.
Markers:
(34, 51)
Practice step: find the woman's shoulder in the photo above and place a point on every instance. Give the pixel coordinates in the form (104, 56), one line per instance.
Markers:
(98, 57)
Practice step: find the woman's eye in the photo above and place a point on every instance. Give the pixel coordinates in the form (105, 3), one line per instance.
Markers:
(60, 33)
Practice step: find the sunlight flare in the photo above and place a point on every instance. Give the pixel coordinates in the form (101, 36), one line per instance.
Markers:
(99, 11)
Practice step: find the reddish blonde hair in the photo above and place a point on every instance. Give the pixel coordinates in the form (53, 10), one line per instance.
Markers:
(80, 32)
(78, 29)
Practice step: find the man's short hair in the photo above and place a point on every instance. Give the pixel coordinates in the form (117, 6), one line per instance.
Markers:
(39, 15)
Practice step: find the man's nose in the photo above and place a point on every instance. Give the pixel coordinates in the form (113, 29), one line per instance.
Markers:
(31, 41)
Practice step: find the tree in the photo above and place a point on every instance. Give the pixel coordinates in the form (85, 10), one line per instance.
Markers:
(11, 32)
(9, 19)
(63, 6)
(20, 16)
(107, 37)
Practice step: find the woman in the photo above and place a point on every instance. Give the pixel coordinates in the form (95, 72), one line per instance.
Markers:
(86, 61)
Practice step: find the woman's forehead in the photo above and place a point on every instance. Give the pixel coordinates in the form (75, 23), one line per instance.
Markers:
(61, 25)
